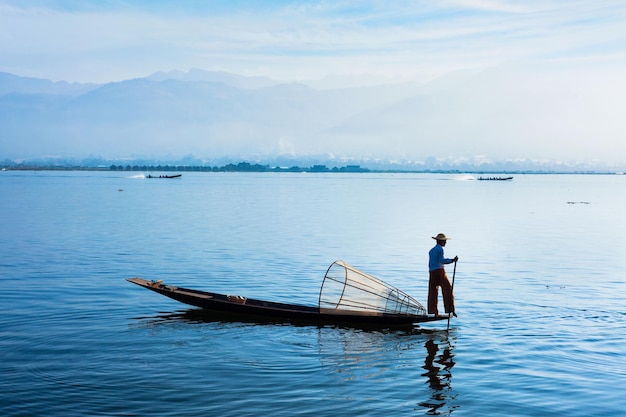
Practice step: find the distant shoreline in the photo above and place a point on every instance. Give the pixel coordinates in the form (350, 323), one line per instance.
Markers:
(257, 168)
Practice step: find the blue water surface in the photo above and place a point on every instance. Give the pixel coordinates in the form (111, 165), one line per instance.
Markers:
(539, 286)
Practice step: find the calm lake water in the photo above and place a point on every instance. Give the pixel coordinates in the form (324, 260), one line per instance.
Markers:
(540, 288)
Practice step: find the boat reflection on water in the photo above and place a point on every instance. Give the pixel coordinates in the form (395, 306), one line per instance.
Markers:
(414, 364)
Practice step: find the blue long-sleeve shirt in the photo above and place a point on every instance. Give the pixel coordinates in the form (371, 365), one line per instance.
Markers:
(436, 259)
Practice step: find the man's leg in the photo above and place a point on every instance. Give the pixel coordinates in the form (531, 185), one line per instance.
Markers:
(433, 292)
(446, 291)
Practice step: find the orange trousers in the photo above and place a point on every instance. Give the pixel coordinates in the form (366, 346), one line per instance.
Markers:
(439, 278)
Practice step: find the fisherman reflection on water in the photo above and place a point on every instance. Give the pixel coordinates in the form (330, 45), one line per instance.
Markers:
(439, 278)
(436, 379)
(438, 365)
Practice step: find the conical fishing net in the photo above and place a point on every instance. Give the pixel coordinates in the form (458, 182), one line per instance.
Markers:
(346, 290)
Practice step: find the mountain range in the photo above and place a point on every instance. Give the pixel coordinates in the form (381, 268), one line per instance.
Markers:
(472, 117)
(174, 113)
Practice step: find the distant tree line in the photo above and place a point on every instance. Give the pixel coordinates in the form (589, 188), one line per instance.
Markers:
(98, 164)
(240, 167)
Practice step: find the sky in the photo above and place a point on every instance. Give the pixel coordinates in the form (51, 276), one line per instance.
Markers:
(111, 40)
(551, 74)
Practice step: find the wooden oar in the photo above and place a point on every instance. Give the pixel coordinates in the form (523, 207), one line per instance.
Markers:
(451, 294)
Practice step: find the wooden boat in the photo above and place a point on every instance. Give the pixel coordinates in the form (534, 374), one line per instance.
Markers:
(165, 176)
(347, 295)
(495, 178)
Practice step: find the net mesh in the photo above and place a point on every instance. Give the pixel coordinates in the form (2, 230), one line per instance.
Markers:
(347, 290)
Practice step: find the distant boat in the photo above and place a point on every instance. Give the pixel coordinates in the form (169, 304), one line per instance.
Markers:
(494, 178)
(165, 176)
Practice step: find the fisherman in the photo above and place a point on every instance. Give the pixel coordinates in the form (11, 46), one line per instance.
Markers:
(439, 278)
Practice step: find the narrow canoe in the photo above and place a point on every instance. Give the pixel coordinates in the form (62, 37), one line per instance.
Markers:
(269, 310)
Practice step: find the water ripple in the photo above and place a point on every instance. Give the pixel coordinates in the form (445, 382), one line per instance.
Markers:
(541, 319)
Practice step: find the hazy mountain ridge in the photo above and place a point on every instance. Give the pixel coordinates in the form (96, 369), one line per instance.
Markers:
(158, 115)
(221, 77)
(492, 116)
(14, 84)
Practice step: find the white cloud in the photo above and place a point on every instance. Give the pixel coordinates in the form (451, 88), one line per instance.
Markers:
(296, 41)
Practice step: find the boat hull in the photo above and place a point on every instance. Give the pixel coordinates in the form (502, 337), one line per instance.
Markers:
(268, 310)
